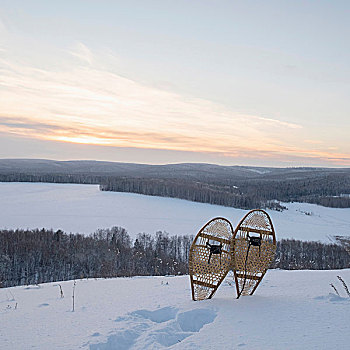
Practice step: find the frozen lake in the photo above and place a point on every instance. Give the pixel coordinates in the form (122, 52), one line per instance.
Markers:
(84, 209)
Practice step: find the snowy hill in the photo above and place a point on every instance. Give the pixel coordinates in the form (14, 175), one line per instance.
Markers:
(290, 310)
(84, 209)
(179, 170)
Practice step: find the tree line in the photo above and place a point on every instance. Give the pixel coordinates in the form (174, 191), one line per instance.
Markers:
(245, 194)
(194, 191)
(331, 190)
(92, 179)
(294, 254)
(265, 191)
(38, 256)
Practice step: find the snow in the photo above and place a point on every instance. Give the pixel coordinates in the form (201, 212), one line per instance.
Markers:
(84, 209)
(259, 171)
(290, 310)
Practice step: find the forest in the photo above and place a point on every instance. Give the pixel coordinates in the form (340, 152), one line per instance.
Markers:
(38, 256)
(232, 186)
(329, 191)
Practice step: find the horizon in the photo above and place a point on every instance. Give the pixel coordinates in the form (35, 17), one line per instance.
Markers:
(180, 163)
(157, 82)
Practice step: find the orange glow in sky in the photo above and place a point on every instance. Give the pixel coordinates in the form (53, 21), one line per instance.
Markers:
(264, 107)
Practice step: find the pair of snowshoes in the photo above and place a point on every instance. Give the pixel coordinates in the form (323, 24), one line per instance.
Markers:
(217, 248)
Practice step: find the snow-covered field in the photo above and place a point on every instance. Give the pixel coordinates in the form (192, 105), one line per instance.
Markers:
(290, 310)
(83, 208)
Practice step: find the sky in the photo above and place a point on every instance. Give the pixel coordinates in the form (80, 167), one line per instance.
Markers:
(262, 83)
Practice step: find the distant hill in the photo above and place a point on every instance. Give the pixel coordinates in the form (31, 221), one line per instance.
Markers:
(181, 170)
(238, 186)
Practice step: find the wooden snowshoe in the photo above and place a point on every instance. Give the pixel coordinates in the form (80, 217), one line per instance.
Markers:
(253, 249)
(210, 258)
(216, 249)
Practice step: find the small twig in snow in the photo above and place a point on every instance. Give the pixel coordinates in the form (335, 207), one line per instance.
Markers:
(335, 289)
(73, 294)
(62, 295)
(344, 285)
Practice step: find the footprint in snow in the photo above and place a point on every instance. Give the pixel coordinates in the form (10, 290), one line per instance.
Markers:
(158, 328)
(334, 298)
(160, 315)
(43, 305)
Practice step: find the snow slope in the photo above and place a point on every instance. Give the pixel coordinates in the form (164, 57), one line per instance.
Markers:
(83, 208)
(290, 310)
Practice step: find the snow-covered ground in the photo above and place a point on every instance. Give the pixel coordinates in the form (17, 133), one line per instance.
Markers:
(290, 310)
(84, 208)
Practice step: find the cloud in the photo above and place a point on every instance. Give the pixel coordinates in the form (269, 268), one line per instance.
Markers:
(88, 104)
(82, 134)
(313, 142)
(3, 29)
(83, 53)
(281, 123)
